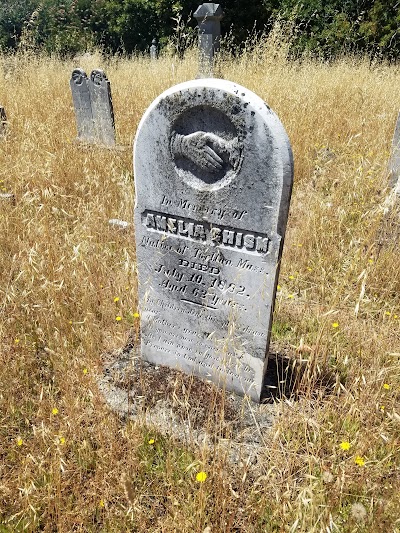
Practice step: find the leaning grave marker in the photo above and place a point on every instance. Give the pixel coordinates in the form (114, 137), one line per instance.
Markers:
(102, 108)
(79, 84)
(213, 175)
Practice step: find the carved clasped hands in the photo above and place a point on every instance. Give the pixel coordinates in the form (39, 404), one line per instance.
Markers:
(206, 150)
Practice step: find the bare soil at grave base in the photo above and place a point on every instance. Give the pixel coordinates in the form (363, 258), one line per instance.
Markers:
(327, 457)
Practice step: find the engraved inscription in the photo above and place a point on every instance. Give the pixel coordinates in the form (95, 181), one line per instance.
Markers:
(220, 212)
(203, 287)
(203, 231)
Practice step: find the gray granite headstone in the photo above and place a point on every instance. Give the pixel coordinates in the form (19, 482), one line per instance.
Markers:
(102, 108)
(82, 104)
(394, 162)
(153, 49)
(208, 17)
(213, 176)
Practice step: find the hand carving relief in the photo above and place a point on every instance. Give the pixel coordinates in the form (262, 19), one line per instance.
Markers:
(206, 150)
(206, 145)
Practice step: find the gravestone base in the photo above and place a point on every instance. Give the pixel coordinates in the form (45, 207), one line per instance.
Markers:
(190, 409)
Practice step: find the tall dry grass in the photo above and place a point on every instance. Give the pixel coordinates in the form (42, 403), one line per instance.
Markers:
(63, 453)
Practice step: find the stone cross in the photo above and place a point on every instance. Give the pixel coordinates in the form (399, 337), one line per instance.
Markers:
(394, 162)
(93, 107)
(3, 121)
(213, 177)
(208, 17)
(153, 49)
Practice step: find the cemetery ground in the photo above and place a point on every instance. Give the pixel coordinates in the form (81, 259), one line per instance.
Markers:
(331, 458)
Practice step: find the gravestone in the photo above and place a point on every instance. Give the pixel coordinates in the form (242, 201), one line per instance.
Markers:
(82, 104)
(208, 17)
(102, 108)
(3, 121)
(213, 177)
(394, 162)
(93, 107)
(153, 49)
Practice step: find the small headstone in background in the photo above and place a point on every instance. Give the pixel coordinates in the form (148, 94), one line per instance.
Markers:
(3, 121)
(93, 107)
(83, 108)
(213, 177)
(102, 108)
(394, 161)
(208, 17)
(153, 49)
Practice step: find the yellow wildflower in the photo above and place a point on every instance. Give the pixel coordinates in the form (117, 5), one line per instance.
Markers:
(19, 441)
(290, 296)
(118, 318)
(201, 477)
(16, 341)
(359, 461)
(61, 440)
(151, 441)
(116, 299)
(136, 315)
(345, 445)
(291, 277)
(386, 386)
(335, 325)
(279, 287)
(101, 503)
(85, 371)
(54, 411)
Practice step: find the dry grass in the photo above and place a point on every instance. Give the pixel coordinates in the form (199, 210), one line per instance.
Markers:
(81, 468)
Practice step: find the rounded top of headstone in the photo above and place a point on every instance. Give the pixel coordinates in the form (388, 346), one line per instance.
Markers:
(97, 76)
(154, 42)
(208, 10)
(215, 139)
(78, 75)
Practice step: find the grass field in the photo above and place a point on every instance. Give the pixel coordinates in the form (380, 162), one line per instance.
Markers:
(332, 459)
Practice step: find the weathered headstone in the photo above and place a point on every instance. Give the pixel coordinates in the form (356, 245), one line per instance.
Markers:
(394, 162)
(213, 176)
(208, 17)
(3, 121)
(153, 49)
(82, 104)
(102, 108)
(93, 107)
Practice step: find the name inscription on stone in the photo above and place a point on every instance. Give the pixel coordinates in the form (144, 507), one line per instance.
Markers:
(213, 174)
